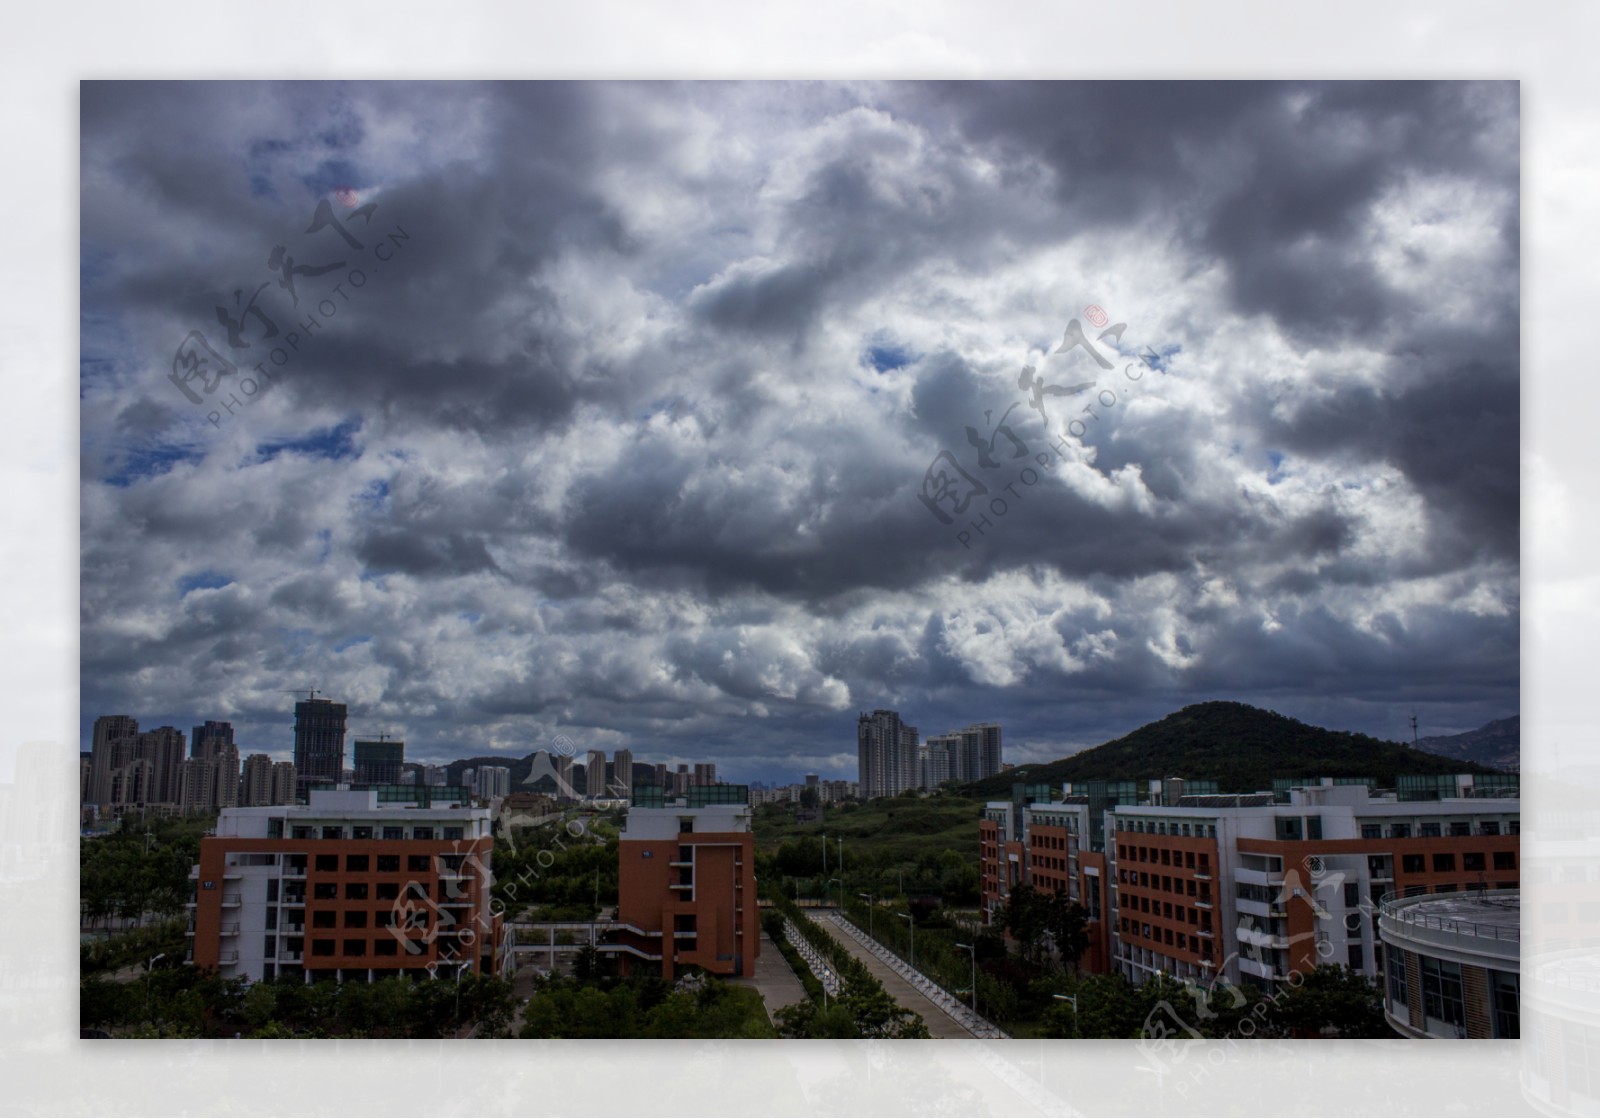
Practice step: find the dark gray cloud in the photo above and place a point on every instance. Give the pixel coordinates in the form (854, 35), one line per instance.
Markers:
(614, 421)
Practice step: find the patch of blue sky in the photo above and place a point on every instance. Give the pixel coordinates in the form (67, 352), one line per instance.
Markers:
(203, 580)
(335, 443)
(150, 462)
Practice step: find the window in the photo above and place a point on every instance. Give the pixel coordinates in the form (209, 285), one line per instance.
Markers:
(1505, 860)
(1441, 992)
(324, 919)
(1444, 861)
(356, 891)
(1371, 831)
(1411, 864)
(269, 947)
(1489, 827)
(1352, 895)
(417, 889)
(454, 833)
(333, 831)
(356, 864)
(1399, 831)
(385, 947)
(355, 948)
(384, 919)
(421, 833)
(272, 889)
(1430, 829)
(392, 832)
(272, 918)
(361, 832)
(1504, 996)
(326, 890)
(328, 862)
(322, 947)
(1313, 827)
(419, 863)
(301, 832)
(1394, 962)
(388, 891)
(1514, 827)
(1472, 860)
(355, 919)
(388, 864)
(1460, 827)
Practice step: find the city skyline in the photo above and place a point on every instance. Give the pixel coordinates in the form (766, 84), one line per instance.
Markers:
(592, 445)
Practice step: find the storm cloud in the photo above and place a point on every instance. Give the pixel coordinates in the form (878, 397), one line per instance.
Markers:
(613, 416)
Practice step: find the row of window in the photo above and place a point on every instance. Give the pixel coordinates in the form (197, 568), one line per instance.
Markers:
(1180, 941)
(1156, 908)
(388, 864)
(1444, 862)
(1165, 827)
(1435, 829)
(367, 831)
(1164, 856)
(382, 891)
(1183, 887)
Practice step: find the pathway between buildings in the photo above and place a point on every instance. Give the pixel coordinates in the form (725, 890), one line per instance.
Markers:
(774, 980)
(939, 1024)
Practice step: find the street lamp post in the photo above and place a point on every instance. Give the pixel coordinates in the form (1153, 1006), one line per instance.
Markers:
(840, 884)
(872, 904)
(973, 952)
(913, 921)
(148, 967)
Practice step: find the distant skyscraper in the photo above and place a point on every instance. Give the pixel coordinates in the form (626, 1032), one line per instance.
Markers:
(207, 736)
(163, 748)
(705, 773)
(980, 751)
(939, 754)
(284, 784)
(255, 786)
(491, 781)
(886, 754)
(594, 774)
(225, 786)
(110, 732)
(378, 762)
(622, 762)
(318, 743)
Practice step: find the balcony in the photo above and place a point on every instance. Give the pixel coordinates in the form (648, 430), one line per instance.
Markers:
(289, 957)
(227, 959)
(231, 929)
(230, 902)
(297, 870)
(294, 929)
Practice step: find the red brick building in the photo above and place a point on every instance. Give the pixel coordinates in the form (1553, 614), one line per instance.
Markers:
(346, 888)
(687, 890)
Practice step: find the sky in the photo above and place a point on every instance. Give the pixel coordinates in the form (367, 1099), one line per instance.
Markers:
(641, 414)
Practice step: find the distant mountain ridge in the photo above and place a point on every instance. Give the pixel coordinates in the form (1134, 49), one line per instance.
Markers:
(1497, 743)
(1240, 747)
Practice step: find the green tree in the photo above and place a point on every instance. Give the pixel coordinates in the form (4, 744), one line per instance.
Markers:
(1027, 915)
(1330, 998)
(1067, 922)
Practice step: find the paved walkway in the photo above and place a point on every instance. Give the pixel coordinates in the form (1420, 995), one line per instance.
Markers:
(939, 1024)
(774, 980)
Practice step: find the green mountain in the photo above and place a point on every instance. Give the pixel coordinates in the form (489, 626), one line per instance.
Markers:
(1241, 747)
